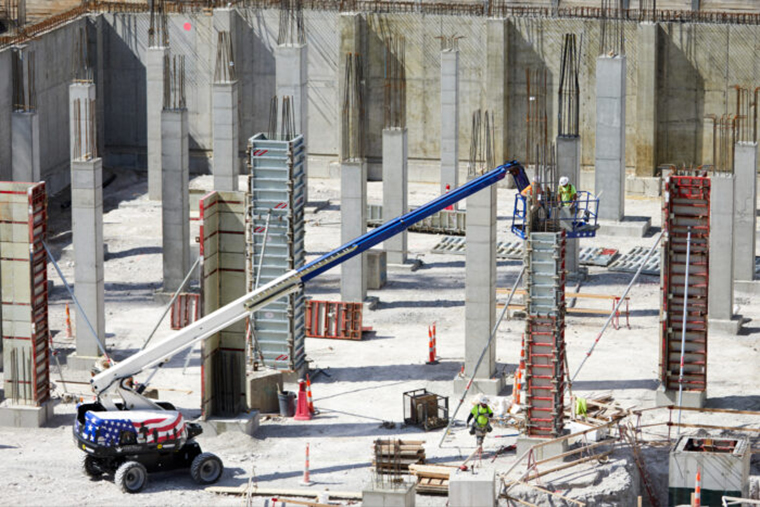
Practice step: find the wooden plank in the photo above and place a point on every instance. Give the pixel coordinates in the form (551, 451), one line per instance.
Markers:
(431, 471)
(243, 490)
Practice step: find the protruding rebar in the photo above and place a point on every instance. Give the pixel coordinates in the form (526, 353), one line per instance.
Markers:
(174, 82)
(481, 144)
(292, 29)
(24, 86)
(353, 114)
(569, 89)
(158, 33)
(224, 72)
(395, 82)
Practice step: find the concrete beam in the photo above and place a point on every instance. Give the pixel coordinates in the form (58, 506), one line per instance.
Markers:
(395, 189)
(175, 206)
(226, 136)
(154, 76)
(610, 136)
(353, 223)
(449, 120)
(25, 150)
(646, 99)
(745, 210)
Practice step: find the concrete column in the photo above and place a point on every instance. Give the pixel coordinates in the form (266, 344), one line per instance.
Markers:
(449, 119)
(646, 99)
(353, 223)
(226, 136)
(480, 291)
(395, 189)
(25, 146)
(154, 74)
(745, 205)
(175, 207)
(609, 179)
(721, 282)
(497, 85)
(291, 80)
(87, 240)
(569, 164)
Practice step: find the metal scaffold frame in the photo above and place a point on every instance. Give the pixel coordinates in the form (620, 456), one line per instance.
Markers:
(686, 210)
(276, 214)
(545, 334)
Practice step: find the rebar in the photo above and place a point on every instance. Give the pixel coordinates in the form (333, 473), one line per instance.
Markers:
(292, 29)
(158, 32)
(450, 42)
(612, 37)
(746, 114)
(353, 113)
(569, 89)
(395, 82)
(481, 144)
(285, 128)
(24, 87)
(224, 72)
(174, 82)
(85, 133)
(724, 138)
(15, 14)
(80, 61)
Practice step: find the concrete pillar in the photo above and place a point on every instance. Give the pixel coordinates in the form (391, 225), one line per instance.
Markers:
(175, 207)
(395, 189)
(497, 85)
(25, 146)
(745, 205)
(291, 80)
(449, 119)
(353, 223)
(646, 99)
(480, 291)
(609, 178)
(87, 240)
(154, 74)
(721, 283)
(226, 136)
(569, 164)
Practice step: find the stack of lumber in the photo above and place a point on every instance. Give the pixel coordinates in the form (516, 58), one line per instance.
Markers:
(432, 479)
(395, 456)
(600, 410)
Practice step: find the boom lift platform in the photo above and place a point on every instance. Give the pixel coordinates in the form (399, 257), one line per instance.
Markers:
(577, 218)
(127, 434)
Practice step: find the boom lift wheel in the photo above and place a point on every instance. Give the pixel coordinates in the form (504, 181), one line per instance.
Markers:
(207, 468)
(131, 477)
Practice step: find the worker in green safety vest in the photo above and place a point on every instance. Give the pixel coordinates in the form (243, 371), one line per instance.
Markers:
(567, 192)
(482, 414)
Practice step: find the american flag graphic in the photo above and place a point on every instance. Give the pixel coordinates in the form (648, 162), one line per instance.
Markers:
(105, 428)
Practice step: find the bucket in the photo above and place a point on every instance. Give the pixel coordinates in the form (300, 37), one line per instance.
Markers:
(287, 401)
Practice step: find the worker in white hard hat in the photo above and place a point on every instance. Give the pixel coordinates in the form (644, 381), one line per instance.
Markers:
(567, 192)
(482, 414)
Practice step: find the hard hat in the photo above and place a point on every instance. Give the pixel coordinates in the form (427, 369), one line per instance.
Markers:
(483, 399)
(564, 180)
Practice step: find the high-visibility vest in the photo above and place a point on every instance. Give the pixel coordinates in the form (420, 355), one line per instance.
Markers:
(481, 414)
(567, 193)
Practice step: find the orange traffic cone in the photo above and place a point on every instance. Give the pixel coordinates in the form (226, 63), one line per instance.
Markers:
(68, 322)
(308, 394)
(302, 410)
(306, 476)
(431, 345)
(698, 489)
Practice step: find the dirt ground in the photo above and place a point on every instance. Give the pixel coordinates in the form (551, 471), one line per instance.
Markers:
(367, 378)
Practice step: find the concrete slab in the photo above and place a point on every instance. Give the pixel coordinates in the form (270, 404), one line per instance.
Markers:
(261, 389)
(385, 496)
(630, 227)
(732, 326)
(24, 416)
(524, 443)
(246, 423)
(690, 399)
(474, 487)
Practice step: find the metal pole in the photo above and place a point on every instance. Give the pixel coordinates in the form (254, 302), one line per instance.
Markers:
(76, 302)
(168, 307)
(482, 355)
(683, 327)
(619, 303)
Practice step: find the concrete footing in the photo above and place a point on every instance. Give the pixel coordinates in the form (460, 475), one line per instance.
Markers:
(725, 326)
(489, 387)
(403, 495)
(261, 389)
(524, 443)
(689, 399)
(747, 287)
(80, 362)
(25, 416)
(247, 423)
(630, 227)
(410, 265)
(472, 487)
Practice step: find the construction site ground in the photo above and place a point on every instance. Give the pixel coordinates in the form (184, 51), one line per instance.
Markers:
(364, 380)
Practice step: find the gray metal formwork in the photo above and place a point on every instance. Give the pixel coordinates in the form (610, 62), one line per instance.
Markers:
(443, 222)
(455, 245)
(276, 186)
(597, 256)
(630, 262)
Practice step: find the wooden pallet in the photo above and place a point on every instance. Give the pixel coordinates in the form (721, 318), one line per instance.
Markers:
(432, 479)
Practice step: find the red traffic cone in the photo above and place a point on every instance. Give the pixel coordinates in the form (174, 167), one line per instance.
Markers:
(302, 410)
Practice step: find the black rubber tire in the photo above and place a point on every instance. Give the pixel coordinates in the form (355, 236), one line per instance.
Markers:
(91, 466)
(207, 468)
(131, 477)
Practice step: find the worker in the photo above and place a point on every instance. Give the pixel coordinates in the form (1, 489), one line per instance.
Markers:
(536, 183)
(482, 414)
(567, 192)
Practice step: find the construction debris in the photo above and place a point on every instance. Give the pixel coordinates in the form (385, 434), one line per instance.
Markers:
(395, 456)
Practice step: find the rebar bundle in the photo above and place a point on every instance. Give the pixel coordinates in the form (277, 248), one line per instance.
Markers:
(395, 82)
(174, 82)
(746, 114)
(80, 61)
(481, 144)
(15, 11)
(292, 29)
(224, 72)
(158, 33)
(449, 42)
(569, 89)
(353, 114)
(536, 119)
(724, 138)
(612, 38)
(24, 87)
(85, 140)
